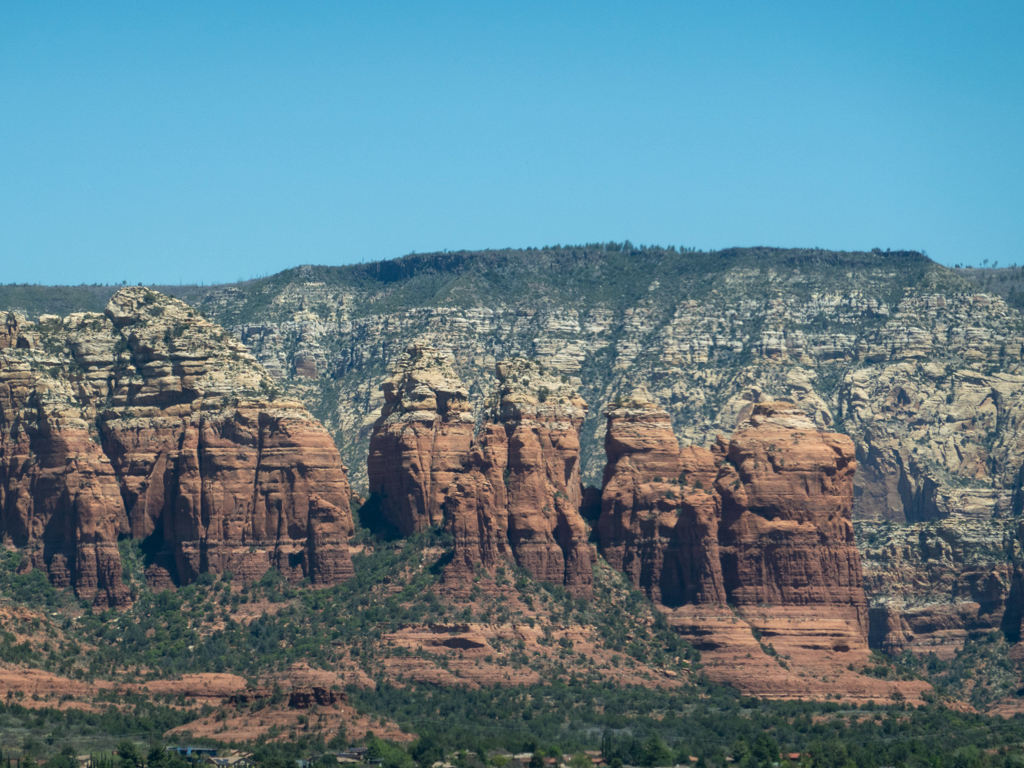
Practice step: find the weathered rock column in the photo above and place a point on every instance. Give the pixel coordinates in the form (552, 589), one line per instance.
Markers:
(520, 492)
(420, 440)
(659, 514)
(786, 536)
(152, 422)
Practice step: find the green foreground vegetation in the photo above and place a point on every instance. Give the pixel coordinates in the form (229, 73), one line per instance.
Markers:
(631, 726)
(198, 629)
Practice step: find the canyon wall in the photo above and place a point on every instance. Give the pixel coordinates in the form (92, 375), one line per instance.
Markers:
(786, 534)
(540, 413)
(59, 495)
(919, 367)
(763, 520)
(418, 443)
(659, 513)
(151, 422)
(748, 548)
(512, 493)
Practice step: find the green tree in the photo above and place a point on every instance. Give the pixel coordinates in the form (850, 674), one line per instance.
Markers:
(426, 751)
(129, 754)
(390, 755)
(62, 761)
(765, 749)
(656, 753)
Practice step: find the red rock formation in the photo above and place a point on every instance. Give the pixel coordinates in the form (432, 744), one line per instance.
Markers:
(59, 497)
(521, 492)
(786, 536)
(789, 652)
(250, 488)
(476, 507)
(214, 476)
(763, 521)
(420, 440)
(784, 558)
(659, 515)
(217, 477)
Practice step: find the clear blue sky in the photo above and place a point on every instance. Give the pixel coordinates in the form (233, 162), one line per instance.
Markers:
(211, 141)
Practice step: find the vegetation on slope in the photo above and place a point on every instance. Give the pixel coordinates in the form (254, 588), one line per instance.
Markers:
(33, 300)
(575, 707)
(606, 274)
(612, 275)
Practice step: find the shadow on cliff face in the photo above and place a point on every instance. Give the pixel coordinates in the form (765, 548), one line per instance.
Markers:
(1014, 613)
(590, 508)
(370, 515)
(158, 562)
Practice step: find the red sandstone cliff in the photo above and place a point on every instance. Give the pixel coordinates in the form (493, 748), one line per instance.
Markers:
(520, 490)
(761, 523)
(420, 440)
(659, 515)
(166, 430)
(476, 507)
(786, 536)
(766, 523)
(59, 498)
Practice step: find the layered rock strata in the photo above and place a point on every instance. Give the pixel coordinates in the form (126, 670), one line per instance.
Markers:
(59, 496)
(520, 491)
(659, 515)
(772, 527)
(185, 449)
(786, 534)
(749, 548)
(789, 652)
(477, 507)
(922, 369)
(932, 585)
(420, 440)
(9, 332)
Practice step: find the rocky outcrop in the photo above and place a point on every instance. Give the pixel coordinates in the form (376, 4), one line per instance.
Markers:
(766, 522)
(790, 652)
(761, 527)
(164, 429)
(9, 332)
(935, 583)
(659, 515)
(59, 497)
(786, 534)
(542, 416)
(420, 440)
(520, 491)
(476, 507)
(922, 369)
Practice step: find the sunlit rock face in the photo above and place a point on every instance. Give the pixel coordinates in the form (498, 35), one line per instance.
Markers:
(519, 494)
(786, 534)
(659, 514)
(150, 421)
(420, 440)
